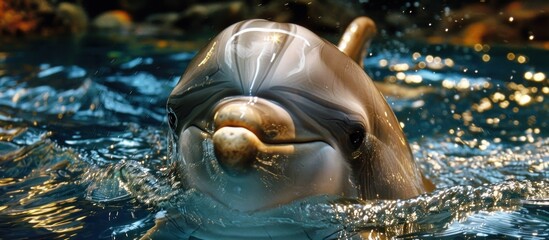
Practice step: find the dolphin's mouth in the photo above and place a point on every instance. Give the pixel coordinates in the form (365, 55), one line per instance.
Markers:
(239, 148)
(260, 136)
(249, 132)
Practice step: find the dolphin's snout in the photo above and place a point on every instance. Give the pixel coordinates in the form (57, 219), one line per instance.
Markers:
(235, 147)
(247, 126)
(268, 121)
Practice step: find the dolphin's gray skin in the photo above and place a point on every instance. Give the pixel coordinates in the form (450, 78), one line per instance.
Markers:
(268, 113)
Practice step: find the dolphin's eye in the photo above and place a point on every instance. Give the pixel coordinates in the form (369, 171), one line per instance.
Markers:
(356, 136)
(172, 119)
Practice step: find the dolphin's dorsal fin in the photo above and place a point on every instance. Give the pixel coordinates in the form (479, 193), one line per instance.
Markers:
(356, 39)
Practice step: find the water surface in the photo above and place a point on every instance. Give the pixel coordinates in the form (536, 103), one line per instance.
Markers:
(83, 145)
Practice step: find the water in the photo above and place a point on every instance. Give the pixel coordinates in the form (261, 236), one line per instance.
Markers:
(83, 146)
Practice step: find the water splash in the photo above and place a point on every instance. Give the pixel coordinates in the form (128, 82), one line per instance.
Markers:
(444, 206)
(318, 215)
(129, 179)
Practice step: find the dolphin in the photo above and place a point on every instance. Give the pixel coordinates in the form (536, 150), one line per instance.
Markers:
(268, 113)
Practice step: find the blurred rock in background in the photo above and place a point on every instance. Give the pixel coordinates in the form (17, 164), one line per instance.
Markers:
(41, 17)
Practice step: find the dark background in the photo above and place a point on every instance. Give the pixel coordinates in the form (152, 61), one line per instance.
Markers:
(459, 22)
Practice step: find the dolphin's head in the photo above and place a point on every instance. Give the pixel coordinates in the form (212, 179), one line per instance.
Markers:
(268, 113)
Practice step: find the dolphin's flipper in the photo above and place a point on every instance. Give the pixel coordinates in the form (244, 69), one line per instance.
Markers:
(356, 39)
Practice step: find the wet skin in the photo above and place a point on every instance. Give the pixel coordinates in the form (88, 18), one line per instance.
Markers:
(268, 113)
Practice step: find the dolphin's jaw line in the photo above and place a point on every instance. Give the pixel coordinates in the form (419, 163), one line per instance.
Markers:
(258, 153)
(237, 148)
(296, 141)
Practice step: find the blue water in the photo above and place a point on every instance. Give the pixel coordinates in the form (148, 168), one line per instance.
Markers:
(83, 145)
